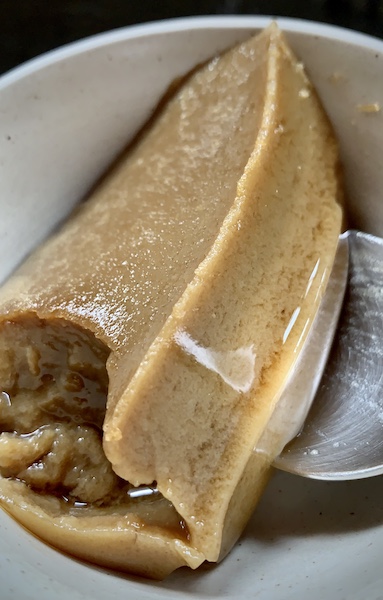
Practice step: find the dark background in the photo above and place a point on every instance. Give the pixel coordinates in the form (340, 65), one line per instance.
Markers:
(31, 27)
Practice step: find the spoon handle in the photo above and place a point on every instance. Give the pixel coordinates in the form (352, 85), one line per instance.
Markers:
(342, 437)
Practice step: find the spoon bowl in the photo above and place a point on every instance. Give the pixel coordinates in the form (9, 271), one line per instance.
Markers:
(342, 437)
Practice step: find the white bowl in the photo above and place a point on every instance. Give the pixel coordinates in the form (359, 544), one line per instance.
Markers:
(63, 117)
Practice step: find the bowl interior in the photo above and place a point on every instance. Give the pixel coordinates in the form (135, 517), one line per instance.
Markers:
(63, 119)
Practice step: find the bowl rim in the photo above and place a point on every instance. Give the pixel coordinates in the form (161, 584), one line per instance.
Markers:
(166, 26)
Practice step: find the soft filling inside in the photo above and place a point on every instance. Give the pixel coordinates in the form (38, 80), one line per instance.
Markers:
(53, 393)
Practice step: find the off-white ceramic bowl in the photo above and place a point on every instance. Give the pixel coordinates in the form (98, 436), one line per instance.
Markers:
(63, 117)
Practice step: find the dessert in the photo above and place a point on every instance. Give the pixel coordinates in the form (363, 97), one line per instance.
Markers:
(167, 313)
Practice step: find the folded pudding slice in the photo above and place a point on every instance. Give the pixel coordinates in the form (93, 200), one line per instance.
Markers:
(177, 299)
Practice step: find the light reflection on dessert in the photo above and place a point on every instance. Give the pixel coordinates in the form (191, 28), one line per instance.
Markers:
(291, 324)
(143, 490)
(236, 367)
(312, 276)
(297, 311)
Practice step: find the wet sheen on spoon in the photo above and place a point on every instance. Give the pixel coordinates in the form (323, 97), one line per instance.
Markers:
(342, 436)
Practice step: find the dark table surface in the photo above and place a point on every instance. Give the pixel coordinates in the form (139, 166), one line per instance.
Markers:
(31, 27)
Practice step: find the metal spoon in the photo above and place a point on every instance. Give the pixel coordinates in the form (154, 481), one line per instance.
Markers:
(342, 436)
